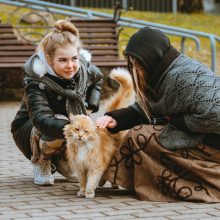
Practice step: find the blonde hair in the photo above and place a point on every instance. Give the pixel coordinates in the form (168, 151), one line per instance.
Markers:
(64, 33)
(140, 80)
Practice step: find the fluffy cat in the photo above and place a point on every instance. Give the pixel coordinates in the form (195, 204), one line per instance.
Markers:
(90, 149)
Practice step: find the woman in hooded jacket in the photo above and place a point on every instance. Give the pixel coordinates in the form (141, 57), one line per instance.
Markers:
(59, 80)
(172, 151)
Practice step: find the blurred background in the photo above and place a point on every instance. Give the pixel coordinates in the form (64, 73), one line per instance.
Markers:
(193, 27)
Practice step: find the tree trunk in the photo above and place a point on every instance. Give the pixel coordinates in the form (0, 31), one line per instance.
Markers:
(189, 6)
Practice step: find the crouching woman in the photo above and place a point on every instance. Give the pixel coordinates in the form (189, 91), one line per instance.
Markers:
(59, 79)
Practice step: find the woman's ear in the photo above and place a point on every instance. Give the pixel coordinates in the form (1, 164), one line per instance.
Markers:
(48, 59)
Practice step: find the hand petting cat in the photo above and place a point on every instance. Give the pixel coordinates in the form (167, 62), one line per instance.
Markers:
(106, 122)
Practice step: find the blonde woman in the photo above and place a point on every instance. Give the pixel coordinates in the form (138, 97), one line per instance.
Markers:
(174, 153)
(59, 79)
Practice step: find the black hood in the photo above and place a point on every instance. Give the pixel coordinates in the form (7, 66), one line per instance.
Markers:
(148, 46)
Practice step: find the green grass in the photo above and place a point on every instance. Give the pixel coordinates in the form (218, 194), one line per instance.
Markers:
(201, 22)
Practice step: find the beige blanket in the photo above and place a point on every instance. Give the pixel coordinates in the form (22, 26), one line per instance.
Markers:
(156, 174)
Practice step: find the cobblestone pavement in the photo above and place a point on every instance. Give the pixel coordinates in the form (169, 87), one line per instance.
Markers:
(21, 199)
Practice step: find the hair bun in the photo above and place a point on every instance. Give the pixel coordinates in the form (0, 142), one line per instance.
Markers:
(65, 25)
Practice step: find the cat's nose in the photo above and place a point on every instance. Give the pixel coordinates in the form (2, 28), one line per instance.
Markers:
(80, 134)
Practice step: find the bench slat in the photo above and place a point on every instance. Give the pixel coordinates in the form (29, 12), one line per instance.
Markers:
(100, 53)
(17, 48)
(95, 25)
(6, 30)
(99, 47)
(7, 36)
(12, 42)
(97, 30)
(101, 20)
(13, 59)
(11, 65)
(112, 64)
(5, 26)
(16, 53)
(100, 41)
(97, 35)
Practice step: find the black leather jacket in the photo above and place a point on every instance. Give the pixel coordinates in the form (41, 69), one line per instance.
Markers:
(40, 104)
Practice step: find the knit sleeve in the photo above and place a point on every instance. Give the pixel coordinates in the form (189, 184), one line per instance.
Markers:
(127, 118)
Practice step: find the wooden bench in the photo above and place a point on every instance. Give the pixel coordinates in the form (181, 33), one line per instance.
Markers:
(99, 36)
(13, 52)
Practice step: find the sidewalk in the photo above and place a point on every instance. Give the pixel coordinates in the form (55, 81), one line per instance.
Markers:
(21, 199)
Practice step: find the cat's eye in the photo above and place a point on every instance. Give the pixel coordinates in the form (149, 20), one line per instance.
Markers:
(77, 129)
(86, 131)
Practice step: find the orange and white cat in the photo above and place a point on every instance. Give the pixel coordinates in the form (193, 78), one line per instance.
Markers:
(89, 148)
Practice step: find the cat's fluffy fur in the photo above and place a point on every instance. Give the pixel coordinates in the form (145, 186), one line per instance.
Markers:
(90, 149)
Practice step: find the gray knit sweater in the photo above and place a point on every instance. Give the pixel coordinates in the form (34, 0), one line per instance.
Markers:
(190, 88)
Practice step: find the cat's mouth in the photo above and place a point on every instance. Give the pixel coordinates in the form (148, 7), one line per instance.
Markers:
(81, 140)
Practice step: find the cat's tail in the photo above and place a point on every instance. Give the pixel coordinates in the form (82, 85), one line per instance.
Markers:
(125, 94)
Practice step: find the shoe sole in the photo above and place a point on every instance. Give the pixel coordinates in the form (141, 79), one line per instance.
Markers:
(43, 184)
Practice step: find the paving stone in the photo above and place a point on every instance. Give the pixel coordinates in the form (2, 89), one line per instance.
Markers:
(21, 199)
(54, 213)
(120, 217)
(190, 216)
(83, 216)
(197, 210)
(42, 218)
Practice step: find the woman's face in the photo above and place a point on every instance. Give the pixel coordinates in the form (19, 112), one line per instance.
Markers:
(65, 62)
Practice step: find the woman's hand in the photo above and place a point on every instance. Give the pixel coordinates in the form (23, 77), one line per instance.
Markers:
(106, 122)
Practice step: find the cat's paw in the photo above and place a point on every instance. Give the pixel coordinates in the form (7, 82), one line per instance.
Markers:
(80, 193)
(90, 195)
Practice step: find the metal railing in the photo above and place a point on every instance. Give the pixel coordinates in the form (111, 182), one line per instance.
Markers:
(122, 21)
(139, 5)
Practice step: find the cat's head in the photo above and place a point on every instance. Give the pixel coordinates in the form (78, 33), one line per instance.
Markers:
(80, 129)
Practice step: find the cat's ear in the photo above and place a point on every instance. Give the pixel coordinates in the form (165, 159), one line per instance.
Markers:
(71, 117)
